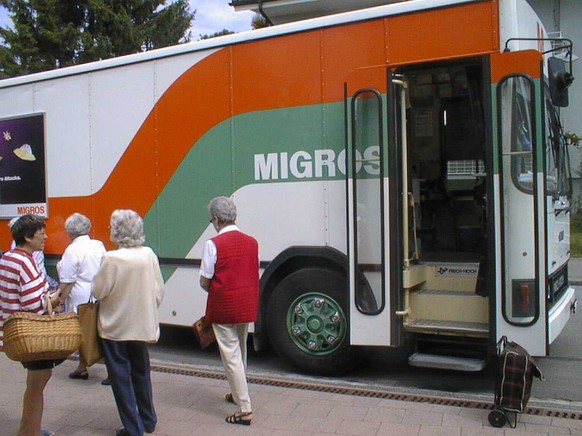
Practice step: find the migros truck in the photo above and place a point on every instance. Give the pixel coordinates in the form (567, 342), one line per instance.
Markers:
(403, 168)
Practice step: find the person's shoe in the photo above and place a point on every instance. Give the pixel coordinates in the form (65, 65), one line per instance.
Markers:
(83, 375)
(107, 382)
(243, 418)
(229, 398)
(47, 433)
(121, 432)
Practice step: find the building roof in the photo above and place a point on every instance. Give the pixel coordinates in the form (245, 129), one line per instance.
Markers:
(285, 11)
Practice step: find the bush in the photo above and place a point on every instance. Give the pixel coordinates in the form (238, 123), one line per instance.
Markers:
(576, 235)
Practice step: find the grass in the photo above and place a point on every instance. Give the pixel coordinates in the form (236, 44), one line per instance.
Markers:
(576, 235)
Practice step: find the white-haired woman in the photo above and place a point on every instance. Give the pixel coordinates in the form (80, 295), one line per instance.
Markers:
(79, 264)
(129, 286)
(230, 275)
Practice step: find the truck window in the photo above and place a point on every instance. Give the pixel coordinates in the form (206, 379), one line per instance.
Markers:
(517, 128)
(557, 159)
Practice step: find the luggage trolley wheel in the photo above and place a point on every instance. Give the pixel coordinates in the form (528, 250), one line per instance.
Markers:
(497, 418)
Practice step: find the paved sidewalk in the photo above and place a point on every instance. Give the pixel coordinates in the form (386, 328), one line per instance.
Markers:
(189, 405)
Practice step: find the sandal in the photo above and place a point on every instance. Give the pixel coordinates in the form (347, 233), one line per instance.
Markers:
(243, 418)
(84, 375)
(229, 398)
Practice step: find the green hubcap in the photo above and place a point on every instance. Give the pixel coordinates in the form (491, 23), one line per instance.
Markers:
(316, 323)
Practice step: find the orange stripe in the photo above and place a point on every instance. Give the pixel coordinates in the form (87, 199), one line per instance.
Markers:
(522, 62)
(167, 134)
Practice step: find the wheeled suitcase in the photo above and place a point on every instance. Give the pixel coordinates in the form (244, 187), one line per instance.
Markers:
(515, 371)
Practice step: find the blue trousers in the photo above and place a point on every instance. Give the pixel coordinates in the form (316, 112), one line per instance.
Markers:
(128, 368)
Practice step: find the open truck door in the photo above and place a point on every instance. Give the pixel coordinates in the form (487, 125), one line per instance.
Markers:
(520, 199)
(372, 221)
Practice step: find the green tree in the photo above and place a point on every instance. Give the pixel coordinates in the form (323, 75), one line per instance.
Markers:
(215, 34)
(259, 22)
(49, 34)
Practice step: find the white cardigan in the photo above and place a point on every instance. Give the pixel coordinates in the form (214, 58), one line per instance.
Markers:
(130, 288)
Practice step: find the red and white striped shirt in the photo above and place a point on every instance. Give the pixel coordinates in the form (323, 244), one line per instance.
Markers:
(22, 286)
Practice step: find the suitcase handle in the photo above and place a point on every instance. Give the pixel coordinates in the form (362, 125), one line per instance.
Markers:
(501, 345)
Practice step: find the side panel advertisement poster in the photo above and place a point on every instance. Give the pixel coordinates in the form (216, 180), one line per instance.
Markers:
(22, 166)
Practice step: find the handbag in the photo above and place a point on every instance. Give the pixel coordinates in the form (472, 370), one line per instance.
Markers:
(31, 336)
(90, 349)
(204, 332)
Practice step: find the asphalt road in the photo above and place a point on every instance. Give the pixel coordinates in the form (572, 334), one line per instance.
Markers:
(563, 367)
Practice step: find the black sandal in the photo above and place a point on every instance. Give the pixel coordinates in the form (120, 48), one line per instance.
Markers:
(83, 375)
(229, 398)
(243, 418)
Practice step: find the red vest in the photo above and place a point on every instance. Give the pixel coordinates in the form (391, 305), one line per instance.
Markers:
(234, 289)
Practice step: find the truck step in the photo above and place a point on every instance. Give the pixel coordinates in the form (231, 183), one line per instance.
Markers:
(450, 327)
(449, 305)
(453, 363)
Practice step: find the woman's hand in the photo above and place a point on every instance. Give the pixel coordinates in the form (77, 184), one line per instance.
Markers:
(65, 290)
(56, 299)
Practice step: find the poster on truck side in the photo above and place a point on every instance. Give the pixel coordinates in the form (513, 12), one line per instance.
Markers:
(22, 166)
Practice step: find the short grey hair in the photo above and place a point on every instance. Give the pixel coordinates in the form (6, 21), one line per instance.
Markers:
(222, 208)
(77, 224)
(126, 228)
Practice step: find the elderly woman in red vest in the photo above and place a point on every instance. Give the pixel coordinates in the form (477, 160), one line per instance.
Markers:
(230, 275)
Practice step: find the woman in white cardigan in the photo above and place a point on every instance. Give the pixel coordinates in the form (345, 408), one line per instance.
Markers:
(129, 286)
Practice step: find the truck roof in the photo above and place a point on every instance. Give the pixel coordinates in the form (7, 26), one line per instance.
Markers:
(237, 38)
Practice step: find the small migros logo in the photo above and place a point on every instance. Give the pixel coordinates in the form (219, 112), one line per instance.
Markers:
(457, 270)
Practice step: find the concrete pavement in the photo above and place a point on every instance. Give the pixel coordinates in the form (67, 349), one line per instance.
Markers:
(188, 405)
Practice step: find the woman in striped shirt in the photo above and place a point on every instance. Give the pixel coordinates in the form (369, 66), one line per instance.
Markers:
(23, 288)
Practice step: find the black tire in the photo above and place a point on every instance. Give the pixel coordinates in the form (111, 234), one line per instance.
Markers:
(497, 418)
(307, 320)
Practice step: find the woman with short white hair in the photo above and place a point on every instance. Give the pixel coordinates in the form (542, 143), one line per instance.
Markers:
(230, 274)
(79, 264)
(130, 289)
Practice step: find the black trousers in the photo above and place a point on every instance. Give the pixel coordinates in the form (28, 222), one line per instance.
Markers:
(128, 368)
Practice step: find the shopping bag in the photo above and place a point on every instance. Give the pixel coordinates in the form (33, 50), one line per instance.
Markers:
(204, 332)
(515, 376)
(90, 349)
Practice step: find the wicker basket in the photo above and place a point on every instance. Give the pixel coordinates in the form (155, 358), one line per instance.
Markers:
(30, 336)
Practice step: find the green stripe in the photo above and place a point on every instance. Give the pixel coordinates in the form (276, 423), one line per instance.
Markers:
(494, 129)
(222, 162)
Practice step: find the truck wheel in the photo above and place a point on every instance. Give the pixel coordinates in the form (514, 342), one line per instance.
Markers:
(307, 322)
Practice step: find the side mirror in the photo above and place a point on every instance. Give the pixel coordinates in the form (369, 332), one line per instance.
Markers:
(559, 80)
